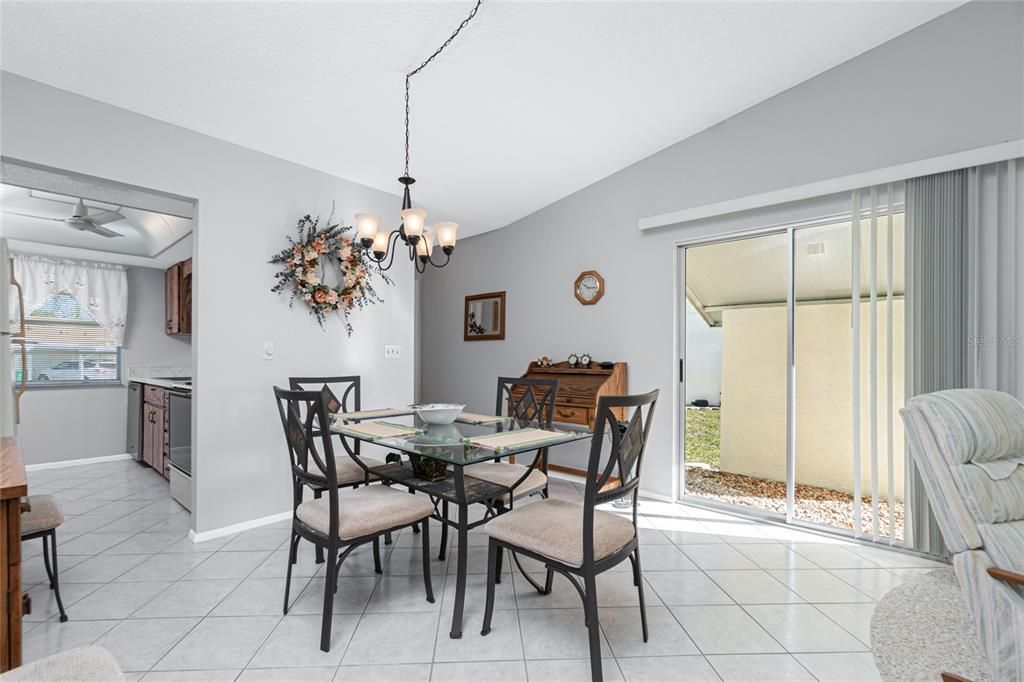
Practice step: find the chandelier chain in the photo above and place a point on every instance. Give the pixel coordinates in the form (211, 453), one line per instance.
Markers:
(423, 66)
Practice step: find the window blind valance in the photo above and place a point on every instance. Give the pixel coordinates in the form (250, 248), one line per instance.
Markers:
(101, 288)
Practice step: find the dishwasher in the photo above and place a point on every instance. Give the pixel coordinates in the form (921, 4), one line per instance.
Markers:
(134, 445)
(180, 436)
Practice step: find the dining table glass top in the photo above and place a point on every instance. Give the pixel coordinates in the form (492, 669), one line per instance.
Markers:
(451, 443)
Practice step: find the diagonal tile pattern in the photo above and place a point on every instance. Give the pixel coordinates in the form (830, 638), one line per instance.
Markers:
(727, 599)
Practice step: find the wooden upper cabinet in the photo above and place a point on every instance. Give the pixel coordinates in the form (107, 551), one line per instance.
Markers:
(178, 298)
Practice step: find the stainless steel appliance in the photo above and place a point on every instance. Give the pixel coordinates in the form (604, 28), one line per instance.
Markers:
(134, 420)
(10, 392)
(180, 436)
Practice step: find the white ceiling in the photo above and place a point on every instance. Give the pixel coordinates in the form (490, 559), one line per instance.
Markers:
(32, 220)
(533, 101)
(753, 271)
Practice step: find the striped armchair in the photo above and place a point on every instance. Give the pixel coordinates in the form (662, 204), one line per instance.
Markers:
(968, 445)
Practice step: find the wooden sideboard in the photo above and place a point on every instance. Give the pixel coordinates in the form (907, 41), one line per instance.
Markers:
(579, 389)
(13, 486)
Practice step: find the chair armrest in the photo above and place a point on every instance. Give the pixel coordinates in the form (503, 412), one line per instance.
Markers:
(1006, 576)
(951, 677)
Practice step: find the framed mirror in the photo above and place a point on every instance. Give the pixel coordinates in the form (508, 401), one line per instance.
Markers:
(484, 317)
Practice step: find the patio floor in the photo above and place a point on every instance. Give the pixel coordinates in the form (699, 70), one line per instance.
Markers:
(814, 504)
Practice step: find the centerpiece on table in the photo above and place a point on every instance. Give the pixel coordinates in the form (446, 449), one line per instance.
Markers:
(327, 270)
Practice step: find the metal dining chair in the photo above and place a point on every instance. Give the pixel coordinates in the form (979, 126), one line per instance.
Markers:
(41, 520)
(350, 473)
(577, 540)
(335, 527)
(535, 403)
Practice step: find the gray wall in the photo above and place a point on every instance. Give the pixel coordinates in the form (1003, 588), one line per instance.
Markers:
(90, 421)
(951, 85)
(247, 204)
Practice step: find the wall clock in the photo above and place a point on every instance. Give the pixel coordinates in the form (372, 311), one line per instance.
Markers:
(589, 287)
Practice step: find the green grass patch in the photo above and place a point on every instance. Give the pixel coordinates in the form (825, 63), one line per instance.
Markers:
(703, 436)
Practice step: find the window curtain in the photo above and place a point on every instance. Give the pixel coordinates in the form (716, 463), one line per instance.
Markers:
(994, 307)
(936, 215)
(965, 250)
(102, 288)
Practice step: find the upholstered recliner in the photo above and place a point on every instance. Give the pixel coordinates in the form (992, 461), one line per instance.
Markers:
(968, 445)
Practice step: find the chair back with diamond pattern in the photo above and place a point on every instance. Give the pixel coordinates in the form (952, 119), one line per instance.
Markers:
(343, 393)
(536, 404)
(312, 465)
(617, 473)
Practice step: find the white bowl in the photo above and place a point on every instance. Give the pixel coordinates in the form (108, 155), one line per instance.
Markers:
(438, 413)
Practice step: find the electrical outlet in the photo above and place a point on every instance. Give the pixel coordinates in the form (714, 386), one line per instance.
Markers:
(392, 352)
(268, 350)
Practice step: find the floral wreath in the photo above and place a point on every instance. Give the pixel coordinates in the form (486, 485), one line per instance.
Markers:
(307, 259)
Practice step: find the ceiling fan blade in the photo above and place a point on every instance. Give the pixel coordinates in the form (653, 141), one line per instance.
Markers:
(37, 217)
(104, 217)
(102, 231)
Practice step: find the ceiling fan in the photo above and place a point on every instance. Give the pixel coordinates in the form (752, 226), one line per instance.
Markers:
(84, 221)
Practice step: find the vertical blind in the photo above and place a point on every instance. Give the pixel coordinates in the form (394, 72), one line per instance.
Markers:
(966, 238)
(937, 331)
(994, 306)
(873, 241)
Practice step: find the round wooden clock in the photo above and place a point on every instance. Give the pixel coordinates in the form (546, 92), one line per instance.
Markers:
(589, 287)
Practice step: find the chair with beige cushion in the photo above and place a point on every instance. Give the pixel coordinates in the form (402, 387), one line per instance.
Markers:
(528, 401)
(41, 520)
(577, 540)
(968, 445)
(334, 523)
(352, 473)
(84, 664)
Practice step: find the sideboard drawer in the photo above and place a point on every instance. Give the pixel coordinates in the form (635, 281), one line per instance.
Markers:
(571, 415)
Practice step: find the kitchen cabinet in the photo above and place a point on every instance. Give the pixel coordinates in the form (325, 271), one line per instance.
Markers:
(178, 298)
(155, 441)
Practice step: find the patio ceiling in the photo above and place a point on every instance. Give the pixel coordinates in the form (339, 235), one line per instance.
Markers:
(753, 271)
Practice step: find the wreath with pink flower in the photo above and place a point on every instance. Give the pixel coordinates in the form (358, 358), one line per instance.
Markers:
(320, 256)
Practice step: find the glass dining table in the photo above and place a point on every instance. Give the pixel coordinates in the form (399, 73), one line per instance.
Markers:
(451, 445)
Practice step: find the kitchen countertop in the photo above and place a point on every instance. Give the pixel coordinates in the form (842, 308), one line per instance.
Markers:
(163, 383)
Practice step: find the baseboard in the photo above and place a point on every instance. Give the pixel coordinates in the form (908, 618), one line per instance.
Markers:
(237, 527)
(578, 476)
(77, 462)
(658, 497)
(567, 473)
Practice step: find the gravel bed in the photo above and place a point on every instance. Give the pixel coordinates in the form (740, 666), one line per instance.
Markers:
(814, 504)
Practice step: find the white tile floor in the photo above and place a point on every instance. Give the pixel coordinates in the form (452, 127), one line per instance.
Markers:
(727, 599)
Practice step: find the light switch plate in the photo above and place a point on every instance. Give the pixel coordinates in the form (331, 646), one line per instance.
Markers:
(268, 350)
(392, 352)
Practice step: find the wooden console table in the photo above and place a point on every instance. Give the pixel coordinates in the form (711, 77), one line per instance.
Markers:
(13, 486)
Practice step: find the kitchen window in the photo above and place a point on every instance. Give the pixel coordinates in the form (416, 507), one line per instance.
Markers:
(65, 346)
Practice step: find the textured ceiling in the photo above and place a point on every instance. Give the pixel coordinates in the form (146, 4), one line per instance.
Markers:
(533, 101)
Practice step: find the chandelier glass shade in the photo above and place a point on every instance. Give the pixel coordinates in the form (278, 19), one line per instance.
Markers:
(413, 232)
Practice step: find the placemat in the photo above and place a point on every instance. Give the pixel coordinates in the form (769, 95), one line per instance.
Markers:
(372, 414)
(474, 418)
(377, 430)
(515, 439)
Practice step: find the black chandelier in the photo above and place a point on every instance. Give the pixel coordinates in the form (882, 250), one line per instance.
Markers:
(417, 237)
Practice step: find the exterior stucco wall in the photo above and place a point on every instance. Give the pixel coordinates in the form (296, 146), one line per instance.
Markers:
(753, 429)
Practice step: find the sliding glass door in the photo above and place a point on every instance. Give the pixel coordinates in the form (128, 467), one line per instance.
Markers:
(735, 372)
(793, 370)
